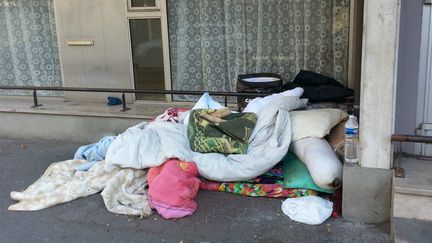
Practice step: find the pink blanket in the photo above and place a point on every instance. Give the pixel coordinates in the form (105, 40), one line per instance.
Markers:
(173, 188)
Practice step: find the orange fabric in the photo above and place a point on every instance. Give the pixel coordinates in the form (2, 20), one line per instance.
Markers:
(153, 173)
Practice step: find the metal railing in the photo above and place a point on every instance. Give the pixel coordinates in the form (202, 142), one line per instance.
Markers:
(400, 138)
(129, 91)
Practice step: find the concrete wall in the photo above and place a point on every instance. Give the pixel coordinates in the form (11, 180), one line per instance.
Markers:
(106, 64)
(366, 201)
(82, 129)
(408, 69)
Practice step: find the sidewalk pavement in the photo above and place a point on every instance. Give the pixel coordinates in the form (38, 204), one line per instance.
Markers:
(221, 217)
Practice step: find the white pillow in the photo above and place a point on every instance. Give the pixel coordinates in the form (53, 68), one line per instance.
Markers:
(314, 123)
(205, 102)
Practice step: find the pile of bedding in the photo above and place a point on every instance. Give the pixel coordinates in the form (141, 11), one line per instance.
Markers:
(208, 147)
(151, 144)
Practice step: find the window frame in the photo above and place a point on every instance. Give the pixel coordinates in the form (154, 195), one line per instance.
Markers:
(157, 7)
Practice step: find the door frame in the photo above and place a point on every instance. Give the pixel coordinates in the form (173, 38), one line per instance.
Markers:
(160, 13)
(424, 101)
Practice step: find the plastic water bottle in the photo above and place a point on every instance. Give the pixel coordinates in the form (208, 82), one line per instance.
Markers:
(351, 141)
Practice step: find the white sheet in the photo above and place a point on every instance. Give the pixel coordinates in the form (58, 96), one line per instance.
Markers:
(259, 103)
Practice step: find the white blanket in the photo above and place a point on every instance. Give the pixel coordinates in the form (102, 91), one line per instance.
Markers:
(151, 144)
(123, 190)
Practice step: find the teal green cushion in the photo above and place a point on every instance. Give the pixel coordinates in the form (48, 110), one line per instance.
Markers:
(296, 175)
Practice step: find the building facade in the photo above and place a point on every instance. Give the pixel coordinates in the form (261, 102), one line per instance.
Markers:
(378, 48)
(180, 45)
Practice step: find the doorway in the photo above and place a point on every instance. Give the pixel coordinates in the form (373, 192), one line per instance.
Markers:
(147, 57)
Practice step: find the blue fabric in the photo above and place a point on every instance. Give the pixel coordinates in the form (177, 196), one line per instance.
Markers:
(114, 101)
(93, 152)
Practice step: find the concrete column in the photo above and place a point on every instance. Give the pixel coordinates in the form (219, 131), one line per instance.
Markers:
(367, 189)
(378, 82)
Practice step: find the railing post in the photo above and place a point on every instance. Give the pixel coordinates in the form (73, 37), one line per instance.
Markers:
(35, 100)
(399, 171)
(124, 103)
(226, 101)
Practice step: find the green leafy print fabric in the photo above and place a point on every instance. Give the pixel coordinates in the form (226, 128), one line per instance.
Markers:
(216, 131)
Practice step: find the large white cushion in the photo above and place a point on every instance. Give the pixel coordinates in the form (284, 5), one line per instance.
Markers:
(322, 163)
(314, 123)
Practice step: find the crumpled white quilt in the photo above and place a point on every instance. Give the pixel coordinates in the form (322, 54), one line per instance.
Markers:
(151, 144)
(122, 189)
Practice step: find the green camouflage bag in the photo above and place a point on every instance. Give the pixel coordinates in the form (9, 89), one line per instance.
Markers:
(220, 131)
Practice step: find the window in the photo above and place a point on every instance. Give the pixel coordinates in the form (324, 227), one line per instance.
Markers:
(213, 41)
(143, 3)
(147, 56)
(206, 44)
(149, 47)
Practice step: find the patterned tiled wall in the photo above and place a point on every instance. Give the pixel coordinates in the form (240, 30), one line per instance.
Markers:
(28, 45)
(213, 41)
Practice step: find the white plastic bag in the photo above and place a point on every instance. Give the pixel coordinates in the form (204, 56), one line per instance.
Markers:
(311, 210)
